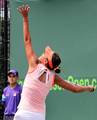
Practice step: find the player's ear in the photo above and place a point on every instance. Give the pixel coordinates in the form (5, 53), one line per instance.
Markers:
(46, 61)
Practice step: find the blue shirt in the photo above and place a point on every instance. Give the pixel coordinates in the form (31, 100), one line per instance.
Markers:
(11, 98)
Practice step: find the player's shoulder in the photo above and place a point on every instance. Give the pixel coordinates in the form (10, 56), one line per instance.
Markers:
(19, 86)
(6, 88)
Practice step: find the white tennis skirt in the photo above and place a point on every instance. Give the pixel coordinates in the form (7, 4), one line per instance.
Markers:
(27, 115)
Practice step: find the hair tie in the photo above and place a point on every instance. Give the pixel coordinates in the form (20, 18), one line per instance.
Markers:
(57, 70)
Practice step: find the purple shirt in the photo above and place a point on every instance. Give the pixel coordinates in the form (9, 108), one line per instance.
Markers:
(11, 98)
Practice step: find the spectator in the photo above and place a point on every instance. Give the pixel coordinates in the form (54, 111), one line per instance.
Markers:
(11, 95)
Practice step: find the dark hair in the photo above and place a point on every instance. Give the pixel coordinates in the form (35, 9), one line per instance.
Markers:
(57, 70)
(56, 60)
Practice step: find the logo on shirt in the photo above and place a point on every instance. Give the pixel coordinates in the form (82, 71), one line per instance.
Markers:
(7, 94)
(14, 94)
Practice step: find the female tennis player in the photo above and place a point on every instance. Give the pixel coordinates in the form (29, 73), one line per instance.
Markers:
(40, 78)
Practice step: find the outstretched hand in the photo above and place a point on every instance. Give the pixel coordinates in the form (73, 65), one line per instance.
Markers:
(24, 10)
(91, 88)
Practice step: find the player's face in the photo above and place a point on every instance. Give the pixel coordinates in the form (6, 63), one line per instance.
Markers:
(48, 55)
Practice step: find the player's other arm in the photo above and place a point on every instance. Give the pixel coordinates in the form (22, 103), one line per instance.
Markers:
(72, 87)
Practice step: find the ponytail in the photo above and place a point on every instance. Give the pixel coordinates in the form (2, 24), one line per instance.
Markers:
(57, 70)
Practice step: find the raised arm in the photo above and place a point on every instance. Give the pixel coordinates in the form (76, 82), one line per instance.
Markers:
(30, 54)
(72, 87)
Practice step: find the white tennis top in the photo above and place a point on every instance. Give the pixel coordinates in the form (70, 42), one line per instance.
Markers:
(35, 91)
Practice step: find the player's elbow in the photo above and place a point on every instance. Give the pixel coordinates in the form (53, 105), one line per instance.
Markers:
(27, 38)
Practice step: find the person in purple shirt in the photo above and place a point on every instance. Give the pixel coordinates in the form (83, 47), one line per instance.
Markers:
(11, 95)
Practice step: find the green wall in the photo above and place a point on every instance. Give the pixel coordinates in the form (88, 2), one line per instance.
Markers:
(70, 27)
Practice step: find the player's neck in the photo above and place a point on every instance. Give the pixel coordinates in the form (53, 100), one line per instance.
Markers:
(13, 85)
